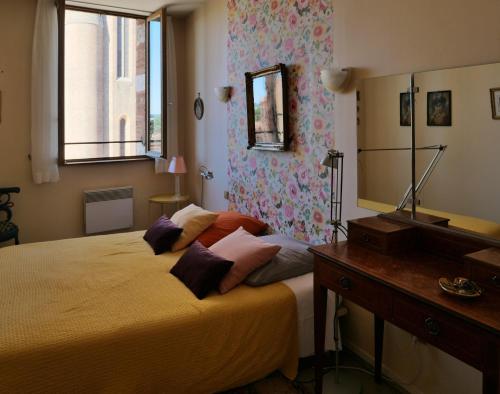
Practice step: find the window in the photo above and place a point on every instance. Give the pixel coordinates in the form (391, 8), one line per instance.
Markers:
(112, 78)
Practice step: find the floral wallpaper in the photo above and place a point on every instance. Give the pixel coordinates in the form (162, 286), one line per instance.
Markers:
(288, 190)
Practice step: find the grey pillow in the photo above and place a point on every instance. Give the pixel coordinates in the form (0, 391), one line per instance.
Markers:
(292, 260)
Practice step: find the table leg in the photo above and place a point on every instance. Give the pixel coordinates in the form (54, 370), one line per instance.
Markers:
(320, 298)
(379, 343)
(336, 331)
(491, 369)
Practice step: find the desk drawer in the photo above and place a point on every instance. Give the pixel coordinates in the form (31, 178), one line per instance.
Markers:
(357, 288)
(440, 329)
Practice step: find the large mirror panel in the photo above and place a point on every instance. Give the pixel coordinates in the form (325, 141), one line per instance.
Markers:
(458, 109)
(384, 141)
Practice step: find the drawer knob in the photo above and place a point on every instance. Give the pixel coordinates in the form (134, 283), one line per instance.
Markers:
(432, 326)
(345, 283)
(496, 280)
(365, 237)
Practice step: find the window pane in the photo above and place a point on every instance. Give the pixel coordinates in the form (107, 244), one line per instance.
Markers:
(119, 47)
(155, 87)
(105, 64)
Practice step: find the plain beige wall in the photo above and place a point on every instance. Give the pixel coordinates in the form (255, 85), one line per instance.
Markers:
(393, 37)
(52, 211)
(206, 67)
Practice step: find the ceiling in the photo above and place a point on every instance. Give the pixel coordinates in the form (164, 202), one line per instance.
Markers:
(175, 7)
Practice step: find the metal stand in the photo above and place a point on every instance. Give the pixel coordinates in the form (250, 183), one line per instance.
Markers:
(335, 160)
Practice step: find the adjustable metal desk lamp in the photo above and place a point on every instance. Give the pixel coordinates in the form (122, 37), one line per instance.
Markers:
(335, 160)
(407, 197)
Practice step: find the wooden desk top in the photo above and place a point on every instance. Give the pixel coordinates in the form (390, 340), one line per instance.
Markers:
(417, 274)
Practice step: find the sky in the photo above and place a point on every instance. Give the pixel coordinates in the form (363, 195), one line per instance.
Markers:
(259, 89)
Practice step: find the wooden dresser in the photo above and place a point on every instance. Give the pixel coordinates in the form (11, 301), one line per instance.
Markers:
(392, 270)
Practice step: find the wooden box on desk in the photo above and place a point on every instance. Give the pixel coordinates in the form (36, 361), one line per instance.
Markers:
(483, 267)
(384, 236)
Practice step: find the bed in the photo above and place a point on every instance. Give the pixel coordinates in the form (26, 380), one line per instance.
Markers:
(102, 314)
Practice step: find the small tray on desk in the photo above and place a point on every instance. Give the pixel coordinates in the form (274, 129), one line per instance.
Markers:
(383, 235)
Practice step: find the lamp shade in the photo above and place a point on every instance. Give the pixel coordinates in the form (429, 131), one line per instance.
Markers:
(335, 79)
(177, 165)
(331, 159)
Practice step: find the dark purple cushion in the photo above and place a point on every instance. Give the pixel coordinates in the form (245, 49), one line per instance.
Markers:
(162, 235)
(201, 270)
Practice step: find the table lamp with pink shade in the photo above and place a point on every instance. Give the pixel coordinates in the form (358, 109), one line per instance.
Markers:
(177, 167)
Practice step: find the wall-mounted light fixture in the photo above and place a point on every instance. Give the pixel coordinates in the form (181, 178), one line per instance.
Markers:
(222, 93)
(206, 175)
(336, 79)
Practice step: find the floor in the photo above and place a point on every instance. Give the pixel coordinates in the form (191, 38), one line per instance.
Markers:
(352, 381)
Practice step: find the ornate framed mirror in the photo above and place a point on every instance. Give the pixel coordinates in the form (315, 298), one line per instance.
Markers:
(267, 108)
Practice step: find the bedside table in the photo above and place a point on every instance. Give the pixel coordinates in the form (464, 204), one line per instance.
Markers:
(165, 199)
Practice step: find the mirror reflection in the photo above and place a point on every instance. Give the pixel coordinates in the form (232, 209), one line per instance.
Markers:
(456, 108)
(384, 142)
(266, 108)
(457, 131)
(268, 105)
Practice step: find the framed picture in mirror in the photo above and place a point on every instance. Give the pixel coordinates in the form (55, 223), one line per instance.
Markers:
(404, 109)
(439, 108)
(495, 103)
(267, 108)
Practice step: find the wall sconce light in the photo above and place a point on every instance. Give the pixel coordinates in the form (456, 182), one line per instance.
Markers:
(222, 93)
(207, 175)
(336, 79)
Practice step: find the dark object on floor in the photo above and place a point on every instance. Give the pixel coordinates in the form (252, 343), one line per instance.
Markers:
(8, 230)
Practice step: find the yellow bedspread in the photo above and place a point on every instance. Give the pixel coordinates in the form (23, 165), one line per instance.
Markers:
(102, 314)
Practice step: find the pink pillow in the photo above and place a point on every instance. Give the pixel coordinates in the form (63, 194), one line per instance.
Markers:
(248, 253)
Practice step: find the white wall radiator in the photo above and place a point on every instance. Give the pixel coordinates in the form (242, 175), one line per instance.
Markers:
(108, 209)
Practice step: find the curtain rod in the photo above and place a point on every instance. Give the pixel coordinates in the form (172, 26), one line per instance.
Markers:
(109, 6)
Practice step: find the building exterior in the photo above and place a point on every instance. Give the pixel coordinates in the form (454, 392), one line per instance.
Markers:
(105, 100)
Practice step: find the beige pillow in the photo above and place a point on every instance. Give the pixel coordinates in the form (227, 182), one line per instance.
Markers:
(193, 220)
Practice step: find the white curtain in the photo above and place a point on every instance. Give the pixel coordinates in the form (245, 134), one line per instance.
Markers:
(172, 107)
(44, 110)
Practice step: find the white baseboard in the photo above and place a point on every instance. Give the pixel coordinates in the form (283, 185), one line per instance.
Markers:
(385, 369)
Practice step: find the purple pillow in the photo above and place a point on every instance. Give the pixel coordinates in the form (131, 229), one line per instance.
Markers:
(162, 235)
(201, 270)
